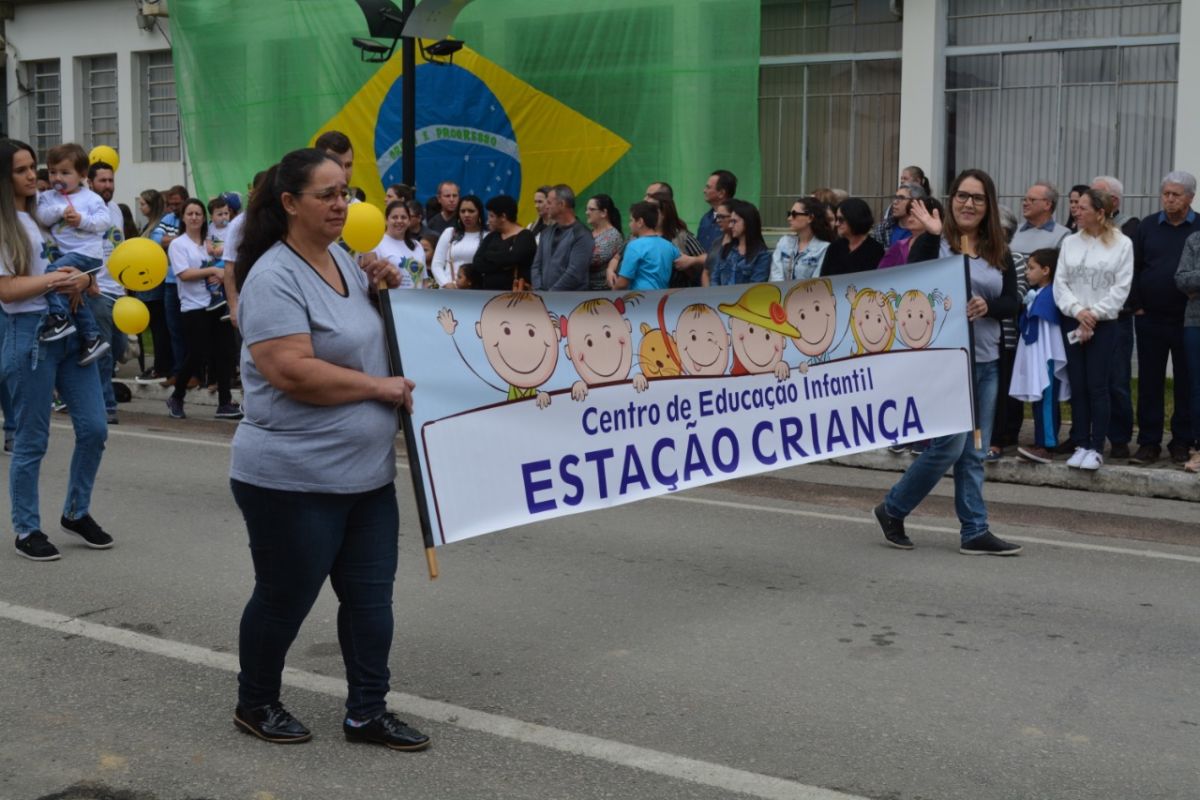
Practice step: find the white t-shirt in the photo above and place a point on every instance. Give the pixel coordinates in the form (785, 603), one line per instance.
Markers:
(398, 252)
(113, 237)
(233, 238)
(447, 257)
(184, 254)
(88, 237)
(39, 246)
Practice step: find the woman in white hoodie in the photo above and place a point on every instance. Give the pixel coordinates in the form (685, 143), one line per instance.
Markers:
(1095, 271)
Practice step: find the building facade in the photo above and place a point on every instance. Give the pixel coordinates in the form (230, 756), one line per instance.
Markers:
(851, 91)
(95, 72)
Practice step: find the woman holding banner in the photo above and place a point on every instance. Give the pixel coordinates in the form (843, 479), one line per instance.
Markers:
(313, 462)
(971, 229)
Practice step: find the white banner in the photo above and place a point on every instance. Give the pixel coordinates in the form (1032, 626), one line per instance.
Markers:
(732, 388)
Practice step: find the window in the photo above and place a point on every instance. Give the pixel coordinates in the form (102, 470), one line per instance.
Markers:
(98, 96)
(159, 111)
(45, 105)
(828, 26)
(1065, 116)
(976, 22)
(835, 125)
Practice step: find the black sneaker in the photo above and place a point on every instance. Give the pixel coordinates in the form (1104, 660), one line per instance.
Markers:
(897, 448)
(1119, 450)
(175, 408)
(989, 545)
(8, 447)
(1179, 453)
(228, 411)
(387, 731)
(271, 723)
(92, 350)
(86, 528)
(1065, 448)
(57, 327)
(36, 547)
(215, 303)
(893, 530)
(1146, 454)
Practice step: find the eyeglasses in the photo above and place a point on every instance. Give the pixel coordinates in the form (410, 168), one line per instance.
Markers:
(962, 198)
(896, 197)
(793, 214)
(331, 195)
(723, 217)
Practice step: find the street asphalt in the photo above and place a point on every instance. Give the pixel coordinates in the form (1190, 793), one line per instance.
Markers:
(753, 639)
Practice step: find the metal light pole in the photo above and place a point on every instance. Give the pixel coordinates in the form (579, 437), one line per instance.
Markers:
(409, 112)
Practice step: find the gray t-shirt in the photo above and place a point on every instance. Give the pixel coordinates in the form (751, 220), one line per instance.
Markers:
(986, 282)
(283, 443)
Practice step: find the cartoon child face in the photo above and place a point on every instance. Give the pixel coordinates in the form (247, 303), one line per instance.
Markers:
(702, 341)
(874, 322)
(519, 338)
(914, 320)
(599, 342)
(811, 308)
(760, 350)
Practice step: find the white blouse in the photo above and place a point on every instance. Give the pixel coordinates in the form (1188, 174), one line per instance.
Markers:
(448, 257)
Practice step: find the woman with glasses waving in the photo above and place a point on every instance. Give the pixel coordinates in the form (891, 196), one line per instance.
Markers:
(799, 254)
(972, 229)
(855, 250)
(314, 463)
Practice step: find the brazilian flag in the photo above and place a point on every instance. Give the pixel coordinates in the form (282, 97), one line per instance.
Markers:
(605, 97)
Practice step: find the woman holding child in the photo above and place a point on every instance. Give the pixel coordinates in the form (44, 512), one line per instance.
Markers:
(33, 368)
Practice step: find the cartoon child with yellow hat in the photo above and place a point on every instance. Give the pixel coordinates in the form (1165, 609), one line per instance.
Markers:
(760, 329)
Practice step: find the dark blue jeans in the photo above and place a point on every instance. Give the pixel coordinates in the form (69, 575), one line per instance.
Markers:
(1191, 344)
(174, 318)
(1089, 366)
(1158, 338)
(85, 323)
(1120, 380)
(297, 540)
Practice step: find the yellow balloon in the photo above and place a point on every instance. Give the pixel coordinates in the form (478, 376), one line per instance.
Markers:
(364, 227)
(138, 264)
(103, 152)
(130, 315)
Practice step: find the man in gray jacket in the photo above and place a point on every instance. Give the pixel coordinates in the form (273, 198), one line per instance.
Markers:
(564, 248)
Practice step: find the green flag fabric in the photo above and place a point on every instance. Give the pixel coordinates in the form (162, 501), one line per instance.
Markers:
(604, 99)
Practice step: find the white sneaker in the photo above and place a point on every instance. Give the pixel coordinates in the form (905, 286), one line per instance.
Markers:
(1076, 459)
(1091, 460)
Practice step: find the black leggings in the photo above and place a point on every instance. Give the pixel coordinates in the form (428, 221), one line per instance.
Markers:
(206, 335)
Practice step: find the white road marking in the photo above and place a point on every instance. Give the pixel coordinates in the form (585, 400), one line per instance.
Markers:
(866, 520)
(861, 520)
(690, 770)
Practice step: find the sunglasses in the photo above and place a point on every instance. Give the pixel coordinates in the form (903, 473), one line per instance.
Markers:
(794, 214)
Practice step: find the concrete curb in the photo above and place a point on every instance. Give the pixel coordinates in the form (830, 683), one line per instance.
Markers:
(1166, 481)
(156, 391)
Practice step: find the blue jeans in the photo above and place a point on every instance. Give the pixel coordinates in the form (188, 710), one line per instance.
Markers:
(1191, 348)
(1089, 368)
(174, 318)
(297, 540)
(6, 398)
(85, 323)
(34, 370)
(957, 450)
(102, 306)
(1158, 338)
(1120, 381)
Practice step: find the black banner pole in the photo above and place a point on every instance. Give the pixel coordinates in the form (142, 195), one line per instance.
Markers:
(971, 356)
(410, 439)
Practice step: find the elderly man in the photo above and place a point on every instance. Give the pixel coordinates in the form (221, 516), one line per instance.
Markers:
(1158, 308)
(1039, 228)
(1120, 397)
(564, 248)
